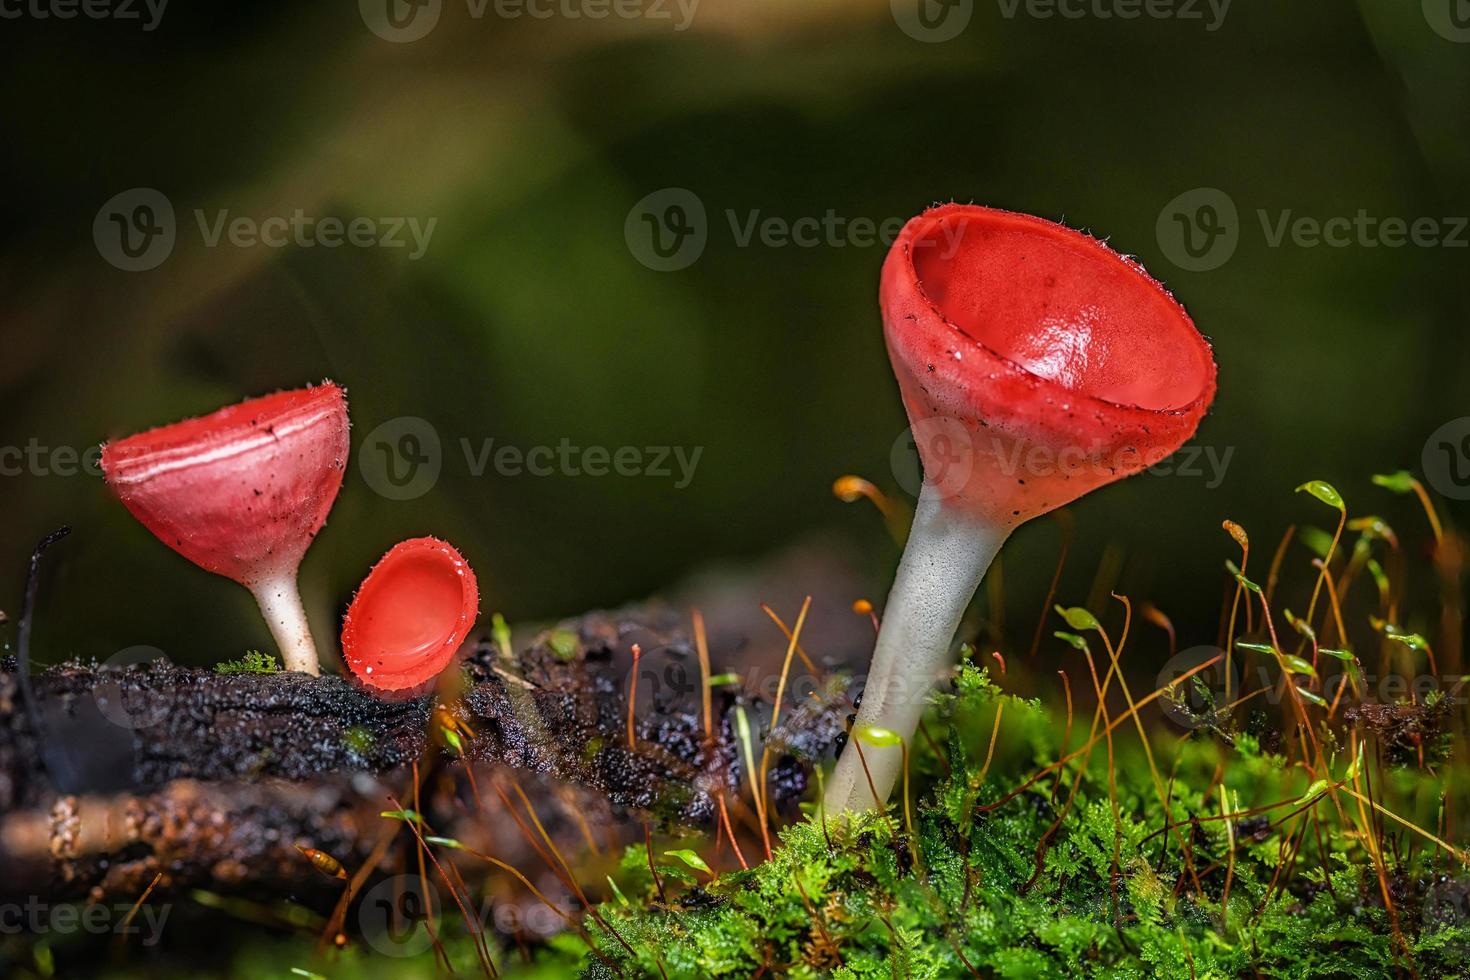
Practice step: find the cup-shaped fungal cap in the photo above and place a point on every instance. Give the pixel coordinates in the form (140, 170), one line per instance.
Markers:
(1035, 362)
(241, 491)
(410, 615)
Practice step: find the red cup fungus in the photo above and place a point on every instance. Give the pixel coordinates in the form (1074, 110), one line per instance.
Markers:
(410, 615)
(242, 492)
(1035, 364)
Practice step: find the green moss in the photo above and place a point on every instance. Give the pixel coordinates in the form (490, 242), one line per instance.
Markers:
(1104, 896)
(564, 644)
(254, 662)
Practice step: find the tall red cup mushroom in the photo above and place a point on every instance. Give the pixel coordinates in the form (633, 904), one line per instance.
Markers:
(242, 492)
(410, 615)
(1035, 364)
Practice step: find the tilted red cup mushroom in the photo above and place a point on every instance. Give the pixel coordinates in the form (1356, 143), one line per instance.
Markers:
(1035, 364)
(410, 615)
(242, 492)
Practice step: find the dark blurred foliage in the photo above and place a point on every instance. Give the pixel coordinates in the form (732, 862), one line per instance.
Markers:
(528, 319)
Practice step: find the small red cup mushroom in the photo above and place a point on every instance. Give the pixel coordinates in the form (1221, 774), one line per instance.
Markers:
(242, 492)
(1035, 364)
(410, 615)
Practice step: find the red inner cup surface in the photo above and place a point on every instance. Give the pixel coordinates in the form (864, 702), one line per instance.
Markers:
(410, 615)
(1063, 307)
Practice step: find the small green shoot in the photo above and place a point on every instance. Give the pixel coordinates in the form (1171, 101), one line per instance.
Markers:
(618, 893)
(1079, 619)
(873, 735)
(692, 859)
(1313, 791)
(1324, 492)
(254, 662)
(1401, 482)
(500, 633)
(1072, 638)
(564, 644)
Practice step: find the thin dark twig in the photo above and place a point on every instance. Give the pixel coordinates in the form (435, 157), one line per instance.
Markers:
(27, 619)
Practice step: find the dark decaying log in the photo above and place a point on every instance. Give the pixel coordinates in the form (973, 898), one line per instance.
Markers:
(219, 836)
(112, 776)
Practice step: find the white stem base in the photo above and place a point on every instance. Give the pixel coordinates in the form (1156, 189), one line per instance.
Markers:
(945, 558)
(280, 604)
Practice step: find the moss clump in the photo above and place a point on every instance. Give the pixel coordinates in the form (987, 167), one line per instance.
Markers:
(254, 662)
(1022, 884)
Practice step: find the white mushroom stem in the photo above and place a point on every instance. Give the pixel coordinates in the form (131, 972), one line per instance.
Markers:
(946, 556)
(280, 604)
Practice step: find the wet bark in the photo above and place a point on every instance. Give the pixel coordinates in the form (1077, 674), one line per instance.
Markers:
(108, 776)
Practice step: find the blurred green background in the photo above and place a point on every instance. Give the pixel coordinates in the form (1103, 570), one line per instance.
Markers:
(529, 319)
